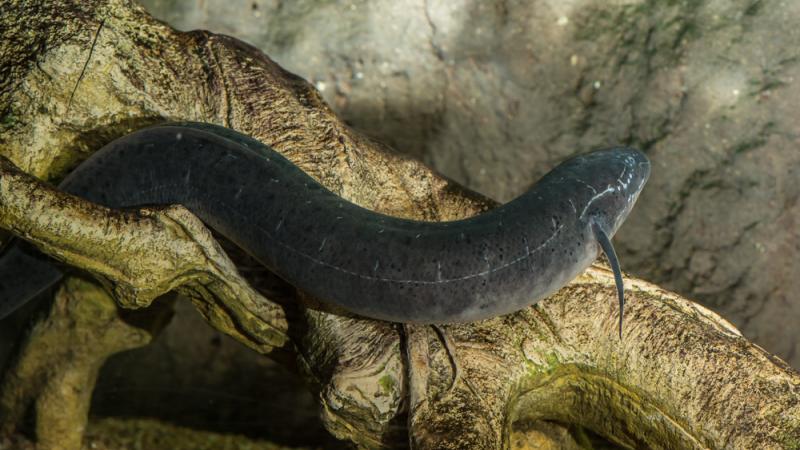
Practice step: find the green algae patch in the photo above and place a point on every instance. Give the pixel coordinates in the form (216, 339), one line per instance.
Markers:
(387, 383)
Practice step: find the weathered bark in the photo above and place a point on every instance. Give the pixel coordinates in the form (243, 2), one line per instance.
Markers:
(77, 74)
(58, 367)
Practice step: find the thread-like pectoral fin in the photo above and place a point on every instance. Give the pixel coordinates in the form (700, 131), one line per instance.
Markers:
(608, 249)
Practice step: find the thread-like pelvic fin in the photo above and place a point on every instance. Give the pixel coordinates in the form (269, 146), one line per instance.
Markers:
(608, 249)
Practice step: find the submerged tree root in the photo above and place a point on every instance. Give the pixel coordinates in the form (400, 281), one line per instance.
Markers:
(680, 378)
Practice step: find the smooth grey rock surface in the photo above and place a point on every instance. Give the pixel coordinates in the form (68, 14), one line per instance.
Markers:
(495, 93)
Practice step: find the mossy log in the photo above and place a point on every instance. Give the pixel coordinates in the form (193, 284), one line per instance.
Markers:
(76, 74)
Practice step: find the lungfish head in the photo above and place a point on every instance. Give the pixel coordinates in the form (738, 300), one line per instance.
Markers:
(613, 179)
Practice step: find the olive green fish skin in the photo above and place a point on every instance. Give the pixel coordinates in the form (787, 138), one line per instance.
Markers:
(368, 263)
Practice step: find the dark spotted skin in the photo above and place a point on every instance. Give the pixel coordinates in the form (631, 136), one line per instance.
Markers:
(368, 263)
